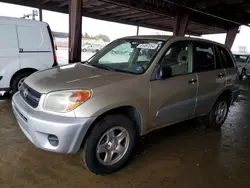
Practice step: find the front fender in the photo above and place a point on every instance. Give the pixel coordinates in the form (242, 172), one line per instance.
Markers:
(121, 94)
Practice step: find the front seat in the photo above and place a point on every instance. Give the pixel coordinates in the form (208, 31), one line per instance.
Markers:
(182, 63)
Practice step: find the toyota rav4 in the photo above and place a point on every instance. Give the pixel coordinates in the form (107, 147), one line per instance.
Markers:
(103, 105)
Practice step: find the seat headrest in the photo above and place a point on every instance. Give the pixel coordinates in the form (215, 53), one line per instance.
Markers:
(183, 57)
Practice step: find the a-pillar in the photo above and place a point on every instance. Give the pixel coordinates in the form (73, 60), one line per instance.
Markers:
(231, 34)
(75, 30)
(181, 23)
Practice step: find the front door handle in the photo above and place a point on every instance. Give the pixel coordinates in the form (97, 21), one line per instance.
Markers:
(221, 75)
(193, 81)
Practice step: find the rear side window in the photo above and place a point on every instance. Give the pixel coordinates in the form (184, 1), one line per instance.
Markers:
(226, 58)
(203, 57)
(8, 37)
(30, 38)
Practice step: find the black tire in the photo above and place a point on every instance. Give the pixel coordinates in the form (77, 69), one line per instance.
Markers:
(210, 120)
(89, 151)
(14, 85)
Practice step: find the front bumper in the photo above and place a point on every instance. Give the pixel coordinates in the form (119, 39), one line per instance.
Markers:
(37, 126)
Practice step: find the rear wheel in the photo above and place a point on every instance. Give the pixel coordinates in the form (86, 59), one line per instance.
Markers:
(109, 145)
(18, 82)
(218, 113)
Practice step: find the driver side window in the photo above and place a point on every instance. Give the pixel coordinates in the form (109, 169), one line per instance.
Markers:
(178, 58)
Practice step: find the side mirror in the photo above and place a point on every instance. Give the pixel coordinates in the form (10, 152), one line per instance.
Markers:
(165, 72)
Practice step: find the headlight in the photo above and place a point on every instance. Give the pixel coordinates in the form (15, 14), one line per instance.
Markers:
(65, 101)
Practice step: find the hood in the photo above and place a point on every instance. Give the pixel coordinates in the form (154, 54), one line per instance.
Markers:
(73, 76)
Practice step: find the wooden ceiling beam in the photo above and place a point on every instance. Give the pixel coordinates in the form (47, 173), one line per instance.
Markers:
(210, 21)
(113, 11)
(158, 20)
(125, 13)
(87, 2)
(148, 17)
(46, 1)
(135, 15)
(204, 4)
(99, 8)
(84, 4)
(51, 1)
(140, 5)
(64, 3)
(237, 16)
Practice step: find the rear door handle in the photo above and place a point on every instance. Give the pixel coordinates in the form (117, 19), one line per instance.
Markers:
(193, 81)
(221, 75)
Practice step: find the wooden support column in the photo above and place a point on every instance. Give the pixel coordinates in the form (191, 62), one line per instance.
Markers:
(40, 14)
(75, 30)
(231, 34)
(181, 23)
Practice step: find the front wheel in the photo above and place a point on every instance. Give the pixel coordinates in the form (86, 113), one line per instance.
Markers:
(109, 145)
(218, 113)
(18, 81)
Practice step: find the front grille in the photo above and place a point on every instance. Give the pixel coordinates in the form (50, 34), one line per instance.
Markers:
(31, 96)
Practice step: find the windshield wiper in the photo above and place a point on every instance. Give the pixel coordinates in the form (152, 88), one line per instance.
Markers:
(124, 71)
(84, 62)
(102, 67)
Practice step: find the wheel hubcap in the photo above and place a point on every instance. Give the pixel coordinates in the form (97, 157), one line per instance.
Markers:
(112, 145)
(221, 112)
(20, 83)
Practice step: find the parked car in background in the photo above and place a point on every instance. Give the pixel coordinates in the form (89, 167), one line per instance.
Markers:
(243, 63)
(101, 107)
(92, 48)
(26, 46)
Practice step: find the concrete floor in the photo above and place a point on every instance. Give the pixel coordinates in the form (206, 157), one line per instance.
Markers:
(185, 155)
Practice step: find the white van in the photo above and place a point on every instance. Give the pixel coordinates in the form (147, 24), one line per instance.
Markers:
(26, 46)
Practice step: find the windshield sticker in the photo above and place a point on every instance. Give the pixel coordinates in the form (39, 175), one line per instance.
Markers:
(150, 46)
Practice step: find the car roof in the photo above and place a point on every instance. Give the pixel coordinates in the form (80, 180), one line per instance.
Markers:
(151, 37)
(167, 37)
(243, 54)
(20, 21)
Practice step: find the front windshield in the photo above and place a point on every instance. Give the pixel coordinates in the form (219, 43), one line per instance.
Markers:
(127, 55)
(241, 58)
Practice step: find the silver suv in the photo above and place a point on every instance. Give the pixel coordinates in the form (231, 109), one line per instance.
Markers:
(102, 106)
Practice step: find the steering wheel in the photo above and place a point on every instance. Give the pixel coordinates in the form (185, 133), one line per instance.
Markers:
(136, 68)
